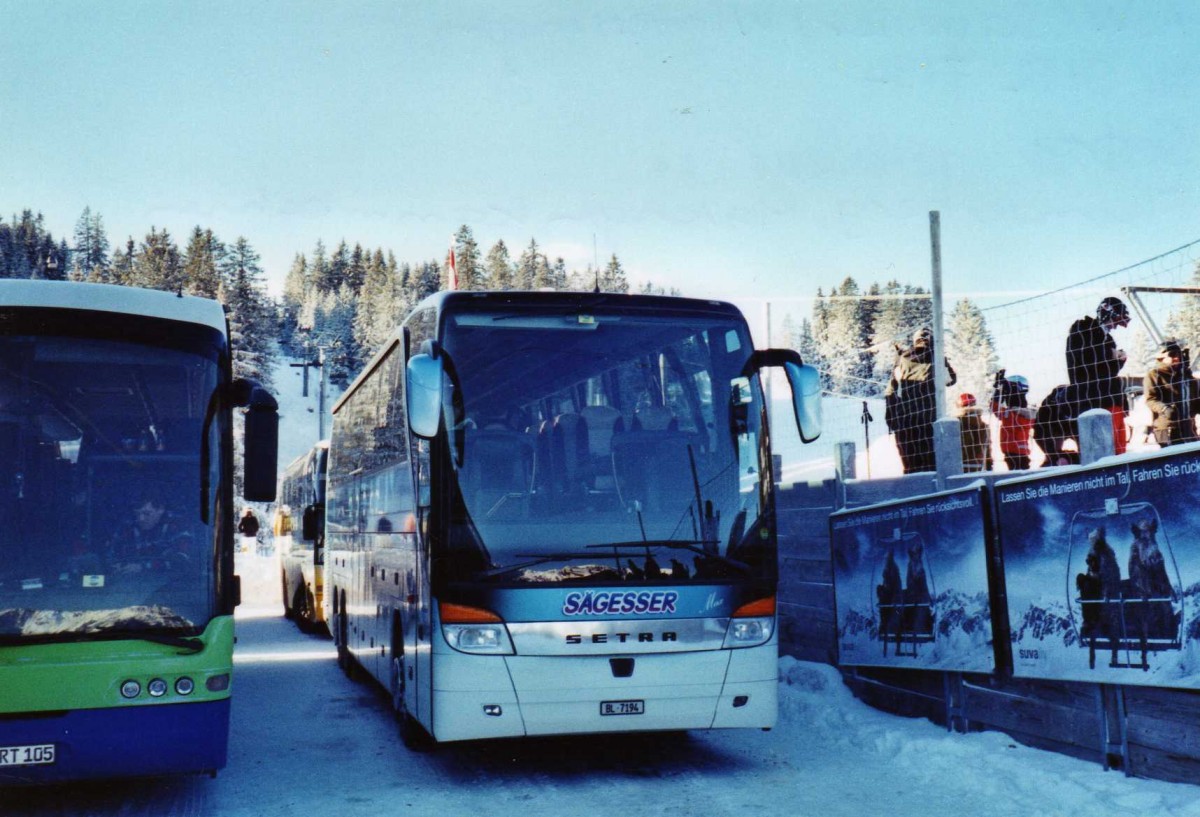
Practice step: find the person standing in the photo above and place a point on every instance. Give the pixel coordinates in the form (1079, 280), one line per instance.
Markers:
(910, 405)
(248, 528)
(1093, 362)
(976, 437)
(1172, 396)
(1010, 405)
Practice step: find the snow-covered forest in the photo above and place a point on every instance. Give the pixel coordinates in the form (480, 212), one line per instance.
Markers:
(345, 298)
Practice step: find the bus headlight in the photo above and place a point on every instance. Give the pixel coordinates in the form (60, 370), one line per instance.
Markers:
(752, 624)
(749, 632)
(487, 639)
(474, 630)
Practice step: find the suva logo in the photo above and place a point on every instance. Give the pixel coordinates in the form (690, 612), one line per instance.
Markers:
(620, 603)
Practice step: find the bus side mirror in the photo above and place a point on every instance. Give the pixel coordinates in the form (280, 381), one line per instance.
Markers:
(312, 522)
(424, 395)
(806, 387)
(805, 381)
(261, 444)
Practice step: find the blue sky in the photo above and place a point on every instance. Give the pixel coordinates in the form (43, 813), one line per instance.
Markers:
(757, 150)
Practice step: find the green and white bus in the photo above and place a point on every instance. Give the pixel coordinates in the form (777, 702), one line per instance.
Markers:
(554, 513)
(117, 583)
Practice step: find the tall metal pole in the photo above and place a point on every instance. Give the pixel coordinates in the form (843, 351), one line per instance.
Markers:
(321, 394)
(939, 347)
(768, 345)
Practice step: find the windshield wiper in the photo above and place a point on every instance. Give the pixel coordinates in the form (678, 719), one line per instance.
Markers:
(535, 560)
(192, 645)
(690, 545)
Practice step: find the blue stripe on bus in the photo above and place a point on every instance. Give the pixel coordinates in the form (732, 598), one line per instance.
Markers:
(574, 603)
(127, 741)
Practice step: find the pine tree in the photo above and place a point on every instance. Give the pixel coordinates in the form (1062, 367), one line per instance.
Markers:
(426, 280)
(526, 271)
(612, 279)
(376, 302)
(889, 331)
(122, 264)
(844, 344)
(335, 332)
(337, 273)
(499, 267)
(970, 350)
(251, 318)
(201, 261)
(356, 272)
(558, 274)
(584, 280)
(471, 273)
(91, 249)
(157, 264)
(318, 269)
(806, 345)
(295, 286)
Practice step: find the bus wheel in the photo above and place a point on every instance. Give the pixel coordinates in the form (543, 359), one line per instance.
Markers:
(344, 658)
(412, 734)
(310, 609)
(288, 613)
(301, 612)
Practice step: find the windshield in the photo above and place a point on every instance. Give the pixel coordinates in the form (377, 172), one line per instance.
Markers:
(593, 447)
(101, 531)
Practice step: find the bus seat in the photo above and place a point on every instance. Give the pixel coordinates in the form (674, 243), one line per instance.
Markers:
(653, 468)
(495, 464)
(603, 422)
(655, 418)
(571, 455)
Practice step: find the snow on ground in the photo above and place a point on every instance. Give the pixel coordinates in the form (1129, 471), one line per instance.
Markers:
(830, 755)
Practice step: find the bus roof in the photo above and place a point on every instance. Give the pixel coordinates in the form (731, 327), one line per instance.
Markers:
(447, 300)
(111, 298)
(583, 300)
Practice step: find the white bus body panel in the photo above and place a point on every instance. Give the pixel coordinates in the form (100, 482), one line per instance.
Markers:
(557, 695)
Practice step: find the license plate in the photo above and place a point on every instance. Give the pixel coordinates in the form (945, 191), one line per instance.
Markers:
(34, 755)
(622, 707)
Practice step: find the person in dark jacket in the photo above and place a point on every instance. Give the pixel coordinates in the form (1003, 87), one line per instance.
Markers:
(1093, 362)
(910, 407)
(154, 539)
(248, 528)
(1172, 396)
(976, 436)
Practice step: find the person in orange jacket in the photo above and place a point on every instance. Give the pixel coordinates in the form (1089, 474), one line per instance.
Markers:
(1010, 404)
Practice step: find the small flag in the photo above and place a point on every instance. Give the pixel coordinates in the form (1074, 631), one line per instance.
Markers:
(451, 269)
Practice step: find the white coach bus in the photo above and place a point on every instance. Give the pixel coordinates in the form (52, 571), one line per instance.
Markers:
(553, 513)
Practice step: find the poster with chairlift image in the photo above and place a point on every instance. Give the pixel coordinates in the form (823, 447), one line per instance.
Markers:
(911, 584)
(1102, 568)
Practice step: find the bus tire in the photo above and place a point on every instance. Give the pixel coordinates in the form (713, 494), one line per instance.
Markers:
(345, 660)
(288, 613)
(301, 613)
(412, 734)
(311, 625)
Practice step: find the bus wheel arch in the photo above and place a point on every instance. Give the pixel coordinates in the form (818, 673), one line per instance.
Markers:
(412, 734)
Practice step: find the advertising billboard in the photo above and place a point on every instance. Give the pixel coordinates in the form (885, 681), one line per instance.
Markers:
(911, 583)
(1102, 569)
